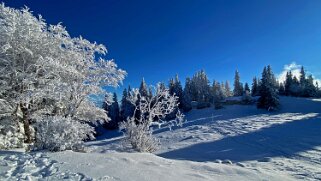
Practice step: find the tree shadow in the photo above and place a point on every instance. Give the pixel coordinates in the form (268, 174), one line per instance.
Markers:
(210, 115)
(278, 140)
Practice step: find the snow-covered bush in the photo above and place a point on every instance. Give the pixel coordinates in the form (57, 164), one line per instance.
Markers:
(45, 72)
(247, 98)
(139, 137)
(57, 133)
(152, 112)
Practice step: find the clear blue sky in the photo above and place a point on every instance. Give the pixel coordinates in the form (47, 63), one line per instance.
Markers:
(156, 39)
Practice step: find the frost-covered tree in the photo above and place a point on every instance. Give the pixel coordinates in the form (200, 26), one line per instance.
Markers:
(281, 89)
(45, 73)
(288, 83)
(186, 104)
(137, 131)
(143, 89)
(268, 92)
(307, 87)
(302, 77)
(113, 113)
(255, 89)
(127, 108)
(238, 87)
(200, 88)
(217, 94)
(246, 88)
(295, 88)
(228, 92)
(310, 89)
(175, 88)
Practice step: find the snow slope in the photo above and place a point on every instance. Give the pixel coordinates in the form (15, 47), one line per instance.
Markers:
(235, 143)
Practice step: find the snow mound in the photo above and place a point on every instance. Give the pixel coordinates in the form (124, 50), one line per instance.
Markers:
(32, 166)
(146, 167)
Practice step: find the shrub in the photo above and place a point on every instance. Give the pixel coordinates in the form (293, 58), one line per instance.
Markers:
(57, 133)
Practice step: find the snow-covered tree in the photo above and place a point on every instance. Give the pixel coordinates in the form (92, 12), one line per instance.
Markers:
(186, 104)
(175, 88)
(137, 131)
(288, 83)
(281, 89)
(255, 89)
(238, 87)
(143, 89)
(200, 88)
(218, 95)
(246, 88)
(45, 73)
(228, 92)
(310, 89)
(113, 113)
(302, 77)
(268, 92)
(295, 88)
(247, 98)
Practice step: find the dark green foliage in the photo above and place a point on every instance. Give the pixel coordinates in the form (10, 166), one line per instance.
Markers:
(238, 87)
(113, 113)
(269, 93)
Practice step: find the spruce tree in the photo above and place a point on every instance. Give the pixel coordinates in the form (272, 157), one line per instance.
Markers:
(288, 83)
(254, 91)
(302, 77)
(186, 103)
(113, 114)
(143, 89)
(281, 89)
(295, 89)
(310, 88)
(161, 86)
(227, 89)
(218, 95)
(124, 106)
(179, 92)
(150, 93)
(238, 88)
(269, 98)
(247, 88)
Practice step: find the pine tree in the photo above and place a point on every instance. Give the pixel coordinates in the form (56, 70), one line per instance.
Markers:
(247, 88)
(199, 87)
(179, 92)
(281, 89)
(227, 89)
(238, 88)
(113, 113)
(124, 106)
(150, 93)
(218, 95)
(127, 108)
(255, 91)
(310, 88)
(171, 86)
(186, 103)
(288, 83)
(302, 77)
(295, 89)
(143, 90)
(161, 86)
(269, 98)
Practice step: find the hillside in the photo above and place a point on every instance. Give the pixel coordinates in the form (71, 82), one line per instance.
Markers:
(235, 143)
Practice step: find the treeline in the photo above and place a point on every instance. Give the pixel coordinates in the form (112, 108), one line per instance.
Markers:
(200, 92)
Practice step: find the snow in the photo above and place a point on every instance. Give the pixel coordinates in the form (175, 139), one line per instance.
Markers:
(238, 142)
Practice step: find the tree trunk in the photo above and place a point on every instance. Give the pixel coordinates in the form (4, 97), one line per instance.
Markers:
(26, 124)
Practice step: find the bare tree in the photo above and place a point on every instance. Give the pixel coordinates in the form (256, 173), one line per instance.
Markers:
(153, 110)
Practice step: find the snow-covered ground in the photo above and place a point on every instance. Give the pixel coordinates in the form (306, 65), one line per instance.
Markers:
(236, 143)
